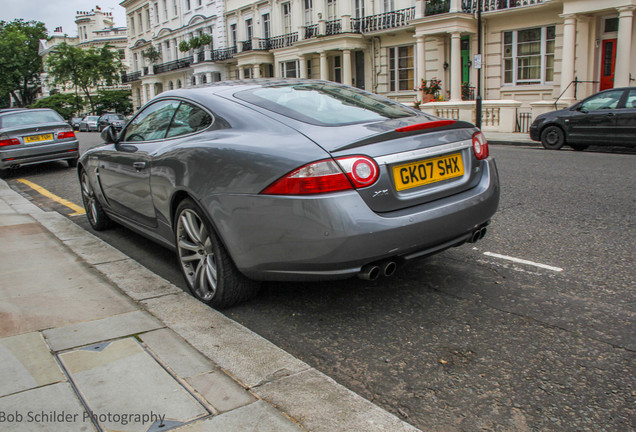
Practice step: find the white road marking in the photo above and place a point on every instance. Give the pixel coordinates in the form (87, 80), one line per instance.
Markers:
(522, 261)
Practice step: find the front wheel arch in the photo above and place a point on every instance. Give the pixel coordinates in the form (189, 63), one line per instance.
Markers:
(553, 137)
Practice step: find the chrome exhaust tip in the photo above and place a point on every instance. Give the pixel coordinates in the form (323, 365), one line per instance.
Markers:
(388, 268)
(369, 272)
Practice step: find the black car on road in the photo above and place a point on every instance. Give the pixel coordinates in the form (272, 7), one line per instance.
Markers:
(605, 118)
(117, 121)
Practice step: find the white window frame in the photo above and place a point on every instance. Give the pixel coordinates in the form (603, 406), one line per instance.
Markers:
(332, 11)
(286, 12)
(309, 12)
(266, 19)
(515, 58)
(285, 69)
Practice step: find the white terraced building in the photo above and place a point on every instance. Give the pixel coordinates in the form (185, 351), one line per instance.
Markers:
(535, 52)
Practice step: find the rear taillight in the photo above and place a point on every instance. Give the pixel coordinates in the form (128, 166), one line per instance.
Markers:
(67, 134)
(428, 125)
(9, 142)
(480, 146)
(326, 176)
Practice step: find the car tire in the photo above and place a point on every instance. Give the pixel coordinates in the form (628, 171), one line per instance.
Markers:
(95, 213)
(72, 163)
(552, 138)
(579, 147)
(207, 267)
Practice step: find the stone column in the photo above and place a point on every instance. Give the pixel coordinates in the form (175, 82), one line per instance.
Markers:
(624, 46)
(569, 56)
(455, 6)
(324, 67)
(208, 77)
(302, 67)
(241, 72)
(346, 67)
(456, 67)
(256, 71)
(420, 71)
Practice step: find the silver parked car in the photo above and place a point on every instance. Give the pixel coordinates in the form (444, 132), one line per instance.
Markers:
(30, 136)
(290, 180)
(89, 123)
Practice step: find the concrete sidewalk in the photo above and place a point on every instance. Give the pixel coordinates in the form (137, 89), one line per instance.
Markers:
(92, 341)
(514, 138)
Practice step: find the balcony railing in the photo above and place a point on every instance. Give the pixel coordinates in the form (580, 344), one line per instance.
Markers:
(130, 77)
(283, 41)
(470, 6)
(260, 45)
(222, 54)
(387, 20)
(333, 27)
(311, 31)
(173, 65)
(436, 7)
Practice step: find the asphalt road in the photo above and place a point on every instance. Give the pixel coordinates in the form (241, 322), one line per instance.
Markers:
(467, 340)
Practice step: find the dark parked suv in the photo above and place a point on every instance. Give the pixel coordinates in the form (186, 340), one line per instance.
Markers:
(605, 118)
(117, 121)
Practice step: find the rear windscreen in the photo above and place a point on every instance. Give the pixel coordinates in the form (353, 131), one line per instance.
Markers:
(29, 118)
(325, 104)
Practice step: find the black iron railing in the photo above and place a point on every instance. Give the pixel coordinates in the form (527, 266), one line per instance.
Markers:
(283, 41)
(436, 7)
(246, 45)
(222, 54)
(333, 27)
(173, 65)
(130, 77)
(470, 6)
(387, 20)
(311, 31)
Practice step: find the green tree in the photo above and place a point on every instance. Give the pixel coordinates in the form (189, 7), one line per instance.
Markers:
(20, 61)
(67, 105)
(85, 69)
(114, 101)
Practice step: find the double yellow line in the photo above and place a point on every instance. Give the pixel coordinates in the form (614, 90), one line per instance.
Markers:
(77, 209)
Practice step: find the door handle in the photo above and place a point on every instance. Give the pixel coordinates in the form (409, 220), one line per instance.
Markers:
(139, 165)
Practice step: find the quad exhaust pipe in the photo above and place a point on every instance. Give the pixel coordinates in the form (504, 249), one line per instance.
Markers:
(372, 272)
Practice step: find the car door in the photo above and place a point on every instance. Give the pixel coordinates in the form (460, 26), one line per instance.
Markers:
(626, 120)
(124, 171)
(594, 120)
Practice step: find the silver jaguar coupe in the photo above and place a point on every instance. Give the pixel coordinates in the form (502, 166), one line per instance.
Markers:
(289, 180)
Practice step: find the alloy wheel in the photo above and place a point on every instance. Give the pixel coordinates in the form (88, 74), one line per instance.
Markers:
(90, 203)
(196, 254)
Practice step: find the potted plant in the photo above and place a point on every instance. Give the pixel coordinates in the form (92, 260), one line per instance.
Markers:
(151, 54)
(184, 46)
(429, 91)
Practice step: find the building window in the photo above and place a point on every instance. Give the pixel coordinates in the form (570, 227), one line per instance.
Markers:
(266, 26)
(247, 73)
(141, 26)
(136, 62)
(528, 56)
(157, 13)
(170, 86)
(331, 10)
(165, 9)
(199, 2)
(187, 4)
(233, 35)
(401, 70)
(122, 54)
(611, 25)
(178, 83)
(309, 19)
(337, 69)
(249, 29)
(289, 69)
(286, 18)
(359, 6)
(389, 5)
(174, 7)
(148, 18)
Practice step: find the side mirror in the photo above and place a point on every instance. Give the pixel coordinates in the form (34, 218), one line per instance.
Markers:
(110, 136)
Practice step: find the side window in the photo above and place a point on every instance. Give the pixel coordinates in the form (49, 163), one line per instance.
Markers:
(152, 123)
(188, 119)
(608, 100)
(631, 99)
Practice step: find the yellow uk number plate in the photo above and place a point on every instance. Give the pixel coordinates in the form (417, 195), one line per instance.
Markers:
(428, 171)
(37, 138)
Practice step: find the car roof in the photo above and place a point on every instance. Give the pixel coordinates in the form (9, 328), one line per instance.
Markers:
(13, 110)
(222, 86)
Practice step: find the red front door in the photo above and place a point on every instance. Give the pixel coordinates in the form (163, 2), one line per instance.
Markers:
(608, 61)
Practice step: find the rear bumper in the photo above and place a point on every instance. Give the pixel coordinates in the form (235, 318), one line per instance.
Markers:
(334, 236)
(27, 155)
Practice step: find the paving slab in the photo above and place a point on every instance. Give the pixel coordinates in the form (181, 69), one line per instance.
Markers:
(60, 226)
(176, 353)
(104, 329)
(249, 357)
(14, 219)
(52, 408)
(221, 391)
(94, 251)
(121, 378)
(26, 363)
(63, 297)
(136, 280)
(320, 404)
(259, 416)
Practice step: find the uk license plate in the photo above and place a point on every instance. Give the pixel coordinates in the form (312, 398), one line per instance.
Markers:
(38, 138)
(428, 171)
